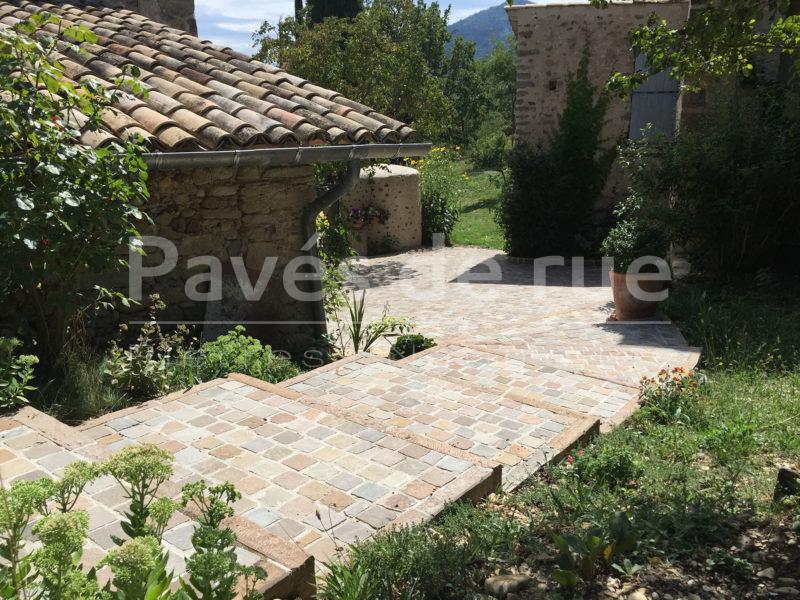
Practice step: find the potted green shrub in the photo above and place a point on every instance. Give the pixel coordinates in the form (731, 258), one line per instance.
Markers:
(627, 241)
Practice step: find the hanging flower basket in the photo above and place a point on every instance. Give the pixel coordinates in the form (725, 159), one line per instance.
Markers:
(359, 217)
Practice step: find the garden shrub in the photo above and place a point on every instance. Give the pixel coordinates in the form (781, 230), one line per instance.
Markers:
(671, 396)
(611, 464)
(67, 208)
(408, 344)
(548, 204)
(43, 559)
(236, 352)
(154, 364)
(729, 182)
(643, 226)
(334, 249)
(16, 373)
(445, 560)
(409, 563)
(440, 186)
(489, 150)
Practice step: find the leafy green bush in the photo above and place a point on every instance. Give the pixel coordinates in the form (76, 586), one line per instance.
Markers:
(49, 564)
(444, 560)
(334, 249)
(670, 397)
(214, 569)
(156, 363)
(408, 563)
(548, 203)
(728, 182)
(608, 464)
(440, 186)
(406, 345)
(489, 150)
(67, 207)
(236, 352)
(16, 373)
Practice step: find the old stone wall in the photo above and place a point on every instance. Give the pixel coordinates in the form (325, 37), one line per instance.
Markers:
(395, 189)
(551, 39)
(247, 215)
(175, 13)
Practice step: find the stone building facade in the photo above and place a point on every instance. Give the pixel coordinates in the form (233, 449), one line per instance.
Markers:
(550, 42)
(250, 215)
(175, 13)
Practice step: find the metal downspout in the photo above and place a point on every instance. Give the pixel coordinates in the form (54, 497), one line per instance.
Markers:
(322, 204)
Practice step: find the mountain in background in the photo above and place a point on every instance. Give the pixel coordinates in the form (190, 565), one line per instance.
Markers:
(485, 27)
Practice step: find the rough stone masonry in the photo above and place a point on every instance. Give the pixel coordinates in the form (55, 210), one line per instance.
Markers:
(551, 39)
(251, 213)
(175, 13)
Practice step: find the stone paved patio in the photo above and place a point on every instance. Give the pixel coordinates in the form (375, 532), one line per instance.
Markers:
(521, 372)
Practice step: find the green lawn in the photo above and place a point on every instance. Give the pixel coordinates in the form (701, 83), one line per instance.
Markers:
(476, 225)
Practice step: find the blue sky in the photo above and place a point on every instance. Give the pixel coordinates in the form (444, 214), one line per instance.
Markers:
(232, 22)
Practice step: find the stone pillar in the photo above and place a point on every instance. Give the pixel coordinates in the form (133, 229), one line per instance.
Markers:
(395, 189)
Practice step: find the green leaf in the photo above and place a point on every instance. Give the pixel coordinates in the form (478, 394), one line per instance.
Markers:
(24, 203)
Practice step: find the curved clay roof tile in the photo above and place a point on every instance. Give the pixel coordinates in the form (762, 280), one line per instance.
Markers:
(202, 95)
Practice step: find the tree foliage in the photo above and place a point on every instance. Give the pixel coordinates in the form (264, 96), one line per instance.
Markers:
(65, 208)
(397, 57)
(725, 190)
(319, 10)
(497, 73)
(462, 86)
(389, 56)
(722, 37)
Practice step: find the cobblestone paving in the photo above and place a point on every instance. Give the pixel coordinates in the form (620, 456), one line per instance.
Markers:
(306, 475)
(515, 379)
(483, 298)
(471, 422)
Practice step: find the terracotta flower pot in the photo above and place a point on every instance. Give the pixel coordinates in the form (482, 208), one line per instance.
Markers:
(626, 306)
(357, 225)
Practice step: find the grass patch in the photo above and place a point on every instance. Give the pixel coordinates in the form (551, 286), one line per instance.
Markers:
(476, 225)
(740, 325)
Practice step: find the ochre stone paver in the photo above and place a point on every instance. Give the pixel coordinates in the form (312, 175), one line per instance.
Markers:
(524, 381)
(523, 369)
(471, 421)
(551, 317)
(310, 476)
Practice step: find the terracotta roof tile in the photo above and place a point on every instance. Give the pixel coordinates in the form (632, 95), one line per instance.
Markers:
(201, 96)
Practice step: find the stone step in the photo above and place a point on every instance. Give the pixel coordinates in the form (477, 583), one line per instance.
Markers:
(523, 380)
(468, 421)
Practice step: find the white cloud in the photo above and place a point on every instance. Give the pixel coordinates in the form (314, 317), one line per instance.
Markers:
(244, 9)
(244, 27)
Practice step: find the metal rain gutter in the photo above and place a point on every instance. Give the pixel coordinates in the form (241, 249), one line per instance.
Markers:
(281, 157)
